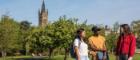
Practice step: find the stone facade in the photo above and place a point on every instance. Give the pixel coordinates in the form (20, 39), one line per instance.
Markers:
(43, 16)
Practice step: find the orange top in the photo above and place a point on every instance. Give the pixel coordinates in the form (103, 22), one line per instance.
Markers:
(97, 42)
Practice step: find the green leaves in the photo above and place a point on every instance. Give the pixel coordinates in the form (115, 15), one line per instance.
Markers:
(136, 30)
(9, 34)
(111, 40)
(65, 31)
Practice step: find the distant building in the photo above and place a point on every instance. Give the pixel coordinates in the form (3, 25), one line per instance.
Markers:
(43, 16)
(107, 30)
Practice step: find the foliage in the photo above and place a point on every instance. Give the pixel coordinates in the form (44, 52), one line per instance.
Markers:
(136, 30)
(65, 32)
(9, 34)
(24, 33)
(56, 35)
(111, 40)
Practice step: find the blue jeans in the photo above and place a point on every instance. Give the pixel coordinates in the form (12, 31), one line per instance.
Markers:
(100, 55)
(84, 58)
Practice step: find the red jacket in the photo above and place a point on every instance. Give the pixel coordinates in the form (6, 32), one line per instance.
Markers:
(126, 45)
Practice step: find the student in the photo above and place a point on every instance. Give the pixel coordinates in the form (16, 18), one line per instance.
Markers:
(126, 44)
(81, 48)
(120, 33)
(97, 45)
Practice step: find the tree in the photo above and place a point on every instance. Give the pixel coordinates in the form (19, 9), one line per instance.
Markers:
(9, 33)
(111, 36)
(44, 38)
(38, 40)
(24, 33)
(52, 38)
(110, 41)
(65, 32)
(136, 30)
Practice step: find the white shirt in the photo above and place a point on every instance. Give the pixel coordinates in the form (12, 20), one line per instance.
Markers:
(82, 47)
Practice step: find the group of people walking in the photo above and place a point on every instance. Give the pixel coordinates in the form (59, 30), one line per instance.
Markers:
(96, 46)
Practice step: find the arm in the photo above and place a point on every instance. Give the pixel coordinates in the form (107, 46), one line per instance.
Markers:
(76, 48)
(104, 51)
(104, 48)
(117, 47)
(104, 45)
(132, 46)
(92, 46)
(77, 53)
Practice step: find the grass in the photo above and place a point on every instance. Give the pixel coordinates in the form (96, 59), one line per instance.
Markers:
(59, 57)
(136, 57)
(14, 57)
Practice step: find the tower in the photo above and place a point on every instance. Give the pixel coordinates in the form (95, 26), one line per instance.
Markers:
(43, 16)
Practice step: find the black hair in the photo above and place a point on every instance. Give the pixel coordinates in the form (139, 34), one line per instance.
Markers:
(95, 29)
(78, 32)
(121, 26)
(126, 27)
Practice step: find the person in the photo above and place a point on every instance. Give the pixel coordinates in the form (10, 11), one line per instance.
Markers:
(120, 33)
(80, 47)
(126, 43)
(97, 45)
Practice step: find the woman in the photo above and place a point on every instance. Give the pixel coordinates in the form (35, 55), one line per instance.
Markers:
(81, 48)
(126, 44)
(120, 33)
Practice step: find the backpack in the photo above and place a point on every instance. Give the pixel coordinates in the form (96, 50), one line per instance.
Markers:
(72, 50)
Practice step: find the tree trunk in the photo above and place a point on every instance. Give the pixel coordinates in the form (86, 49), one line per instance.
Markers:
(3, 53)
(50, 52)
(24, 48)
(112, 51)
(27, 48)
(66, 53)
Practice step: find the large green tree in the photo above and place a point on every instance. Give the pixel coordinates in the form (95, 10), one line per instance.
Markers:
(65, 32)
(25, 29)
(111, 40)
(43, 39)
(38, 40)
(9, 33)
(52, 41)
(136, 30)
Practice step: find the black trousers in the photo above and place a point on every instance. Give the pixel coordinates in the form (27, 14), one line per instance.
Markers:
(123, 57)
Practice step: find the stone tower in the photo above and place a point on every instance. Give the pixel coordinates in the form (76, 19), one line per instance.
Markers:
(43, 16)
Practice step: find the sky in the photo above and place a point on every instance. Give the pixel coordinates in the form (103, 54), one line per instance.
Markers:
(105, 12)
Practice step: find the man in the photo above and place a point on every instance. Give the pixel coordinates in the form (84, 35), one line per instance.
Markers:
(126, 44)
(97, 45)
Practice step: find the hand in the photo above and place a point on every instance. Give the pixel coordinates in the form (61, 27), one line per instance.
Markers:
(92, 53)
(104, 50)
(89, 52)
(104, 57)
(117, 58)
(78, 59)
(130, 58)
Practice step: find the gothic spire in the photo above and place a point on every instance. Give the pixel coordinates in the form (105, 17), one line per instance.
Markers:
(43, 6)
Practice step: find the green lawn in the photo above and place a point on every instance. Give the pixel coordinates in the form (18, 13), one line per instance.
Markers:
(59, 57)
(136, 57)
